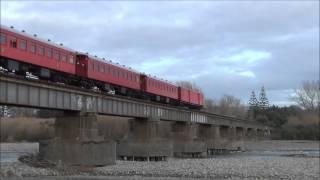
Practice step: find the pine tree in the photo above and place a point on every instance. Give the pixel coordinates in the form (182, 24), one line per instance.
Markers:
(253, 102)
(253, 106)
(263, 100)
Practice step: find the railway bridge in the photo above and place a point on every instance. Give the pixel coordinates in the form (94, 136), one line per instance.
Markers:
(157, 131)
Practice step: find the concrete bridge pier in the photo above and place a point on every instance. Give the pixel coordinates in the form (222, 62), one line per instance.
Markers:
(77, 142)
(187, 142)
(260, 134)
(226, 137)
(147, 140)
(263, 134)
(211, 135)
(231, 139)
(240, 138)
(251, 134)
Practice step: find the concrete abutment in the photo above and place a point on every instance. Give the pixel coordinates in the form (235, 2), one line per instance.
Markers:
(147, 140)
(187, 141)
(77, 142)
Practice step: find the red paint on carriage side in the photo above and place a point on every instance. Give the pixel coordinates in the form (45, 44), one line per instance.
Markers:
(92, 68)
(158, 87)
(26, 49)
(194, 97)
(184, 94)
(190, 96)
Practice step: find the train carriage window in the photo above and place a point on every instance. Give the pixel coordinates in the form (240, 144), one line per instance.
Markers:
(107, 69)
(71, 59)
(96, 67)
(63, 57)
(32, 47)
(113, 72)
(13, 42)
(22, 44)
(3, 38)
(101, 68)
(90, 65)
(40, 50)
(49, 52)
(56, 55)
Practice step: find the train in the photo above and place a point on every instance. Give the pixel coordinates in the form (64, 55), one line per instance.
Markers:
(27, 55)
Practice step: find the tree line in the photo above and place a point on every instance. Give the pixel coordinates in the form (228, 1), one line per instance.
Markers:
(299, 121)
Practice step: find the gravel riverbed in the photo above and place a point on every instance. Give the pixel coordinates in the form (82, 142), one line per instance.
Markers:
(236, 166)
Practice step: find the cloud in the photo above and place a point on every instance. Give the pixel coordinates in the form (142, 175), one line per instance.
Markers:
(249, 57)
(157, 67)
(224, 47)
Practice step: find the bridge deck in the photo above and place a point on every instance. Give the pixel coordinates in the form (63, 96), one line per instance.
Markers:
(39, 94)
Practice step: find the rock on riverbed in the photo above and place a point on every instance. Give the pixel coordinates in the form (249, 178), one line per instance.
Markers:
(222, 168)
(259, 165)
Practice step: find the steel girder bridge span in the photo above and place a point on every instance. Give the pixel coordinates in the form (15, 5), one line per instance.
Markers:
(191, 133)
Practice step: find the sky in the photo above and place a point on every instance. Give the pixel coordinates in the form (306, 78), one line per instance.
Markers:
(225, 47)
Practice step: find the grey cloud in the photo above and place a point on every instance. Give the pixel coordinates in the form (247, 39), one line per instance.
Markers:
(200, 36)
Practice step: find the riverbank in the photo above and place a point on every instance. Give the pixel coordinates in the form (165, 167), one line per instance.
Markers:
(253, 164)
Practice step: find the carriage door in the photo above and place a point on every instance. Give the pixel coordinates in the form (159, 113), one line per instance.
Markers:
(81, 65)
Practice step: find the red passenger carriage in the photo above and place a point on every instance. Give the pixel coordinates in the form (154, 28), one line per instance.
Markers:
(111, 74)
(26, 49)
(160, 88)
(22, 54)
